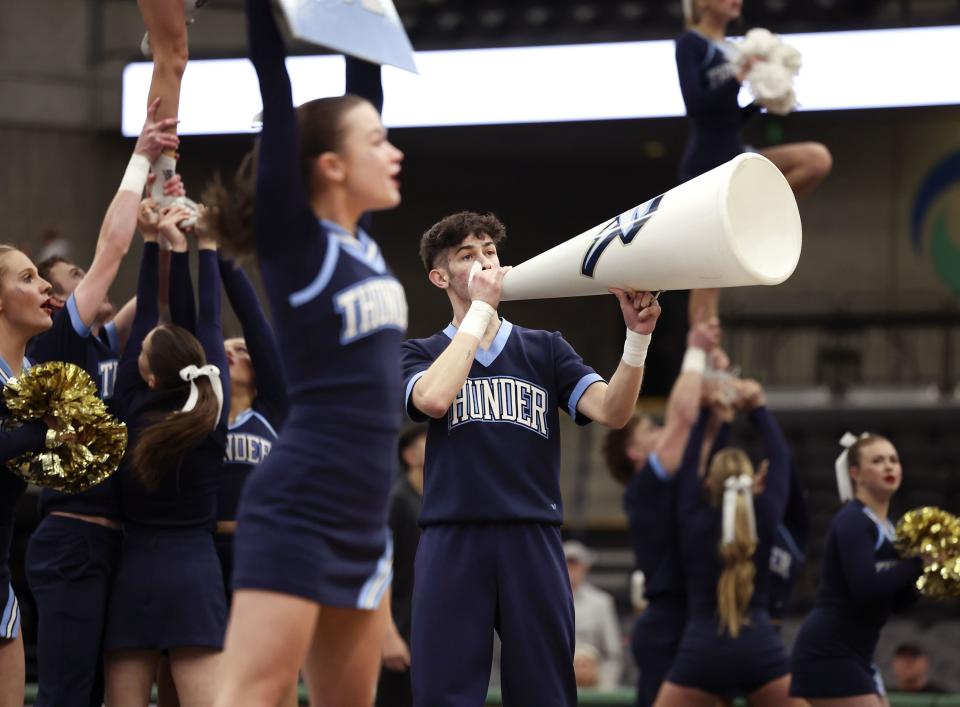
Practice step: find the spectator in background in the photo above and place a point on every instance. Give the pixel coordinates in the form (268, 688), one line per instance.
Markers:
(52, 243)
(406, 500)
(911, 666)
(596, 625)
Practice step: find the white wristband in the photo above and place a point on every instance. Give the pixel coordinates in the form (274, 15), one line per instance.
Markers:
(477, 319)
(135, 178)
(694, 360)
(635, 348)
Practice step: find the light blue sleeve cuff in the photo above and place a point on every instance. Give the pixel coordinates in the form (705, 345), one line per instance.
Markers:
(654, 461)
(78, 325)
(113, 337)
(409, 392)
(578, 390)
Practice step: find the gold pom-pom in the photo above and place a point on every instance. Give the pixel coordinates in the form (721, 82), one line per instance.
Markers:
(89, 442)
(934, 535)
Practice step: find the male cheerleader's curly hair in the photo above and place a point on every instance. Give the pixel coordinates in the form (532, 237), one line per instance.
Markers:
(161, 445)
(735, 586)
(452, 230)
(619, 463)
(229, 218)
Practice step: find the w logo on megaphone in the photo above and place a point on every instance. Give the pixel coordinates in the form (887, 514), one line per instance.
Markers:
(626, 226)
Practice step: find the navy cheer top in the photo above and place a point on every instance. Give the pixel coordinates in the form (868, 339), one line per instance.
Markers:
(495, 455)
(187, 495)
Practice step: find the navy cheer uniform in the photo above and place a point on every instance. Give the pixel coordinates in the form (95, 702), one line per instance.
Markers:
(70, 562)
(710, 659)
(15, 440)
(252, 434)
(312, 518)
(650, 504)
(490, 556)
(710, 88)
(787, 556)
(168, 591)
(861, 583)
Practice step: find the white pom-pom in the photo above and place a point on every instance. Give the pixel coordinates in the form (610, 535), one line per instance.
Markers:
(789, 56)
(771, 76)
(769, 81)
(759, 42)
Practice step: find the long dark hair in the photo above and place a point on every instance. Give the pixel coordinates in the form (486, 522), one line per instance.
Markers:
(162, 444)
(229, 216)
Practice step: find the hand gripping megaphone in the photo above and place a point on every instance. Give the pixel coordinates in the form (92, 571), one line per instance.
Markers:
(737, 224)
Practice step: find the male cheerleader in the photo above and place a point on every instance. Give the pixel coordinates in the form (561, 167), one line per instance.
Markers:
(490, 556)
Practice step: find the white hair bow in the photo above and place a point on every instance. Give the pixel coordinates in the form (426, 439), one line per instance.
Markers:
(190, 374)
(842, 466)
(733, 487)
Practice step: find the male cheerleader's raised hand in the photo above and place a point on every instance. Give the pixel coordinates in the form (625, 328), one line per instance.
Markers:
(640, 309)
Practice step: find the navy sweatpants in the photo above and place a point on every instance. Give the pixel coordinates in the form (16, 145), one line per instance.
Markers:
(70, 565)
(474, 579)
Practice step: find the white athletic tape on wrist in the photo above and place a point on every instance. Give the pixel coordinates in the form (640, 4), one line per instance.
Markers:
(477, 319)
(635, 348)
(694, 360)
(135, 178)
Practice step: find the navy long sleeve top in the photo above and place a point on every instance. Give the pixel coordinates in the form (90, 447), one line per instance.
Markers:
(339, 313)
(186, 497)
(251, 435)
(183, 308)
(650, 503)
(710, 88)
(699, 524)
(862, 579)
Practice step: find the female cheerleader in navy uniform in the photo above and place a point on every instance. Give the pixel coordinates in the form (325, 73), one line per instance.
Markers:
(312, 551)
(72, 553)
(710, 86)
(861, 582)
(743, 655)
(25, 311)
(168, 593)
(491, 393)
(645, 457)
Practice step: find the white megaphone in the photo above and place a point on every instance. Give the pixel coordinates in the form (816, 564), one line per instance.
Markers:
(737, 224)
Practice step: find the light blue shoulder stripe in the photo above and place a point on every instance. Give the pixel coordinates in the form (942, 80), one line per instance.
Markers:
(113, 336)
(658, 469)
(75, 319)
(319, 284)
(885, 529)
(6, 373)
(578, 390)
(409, 391)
